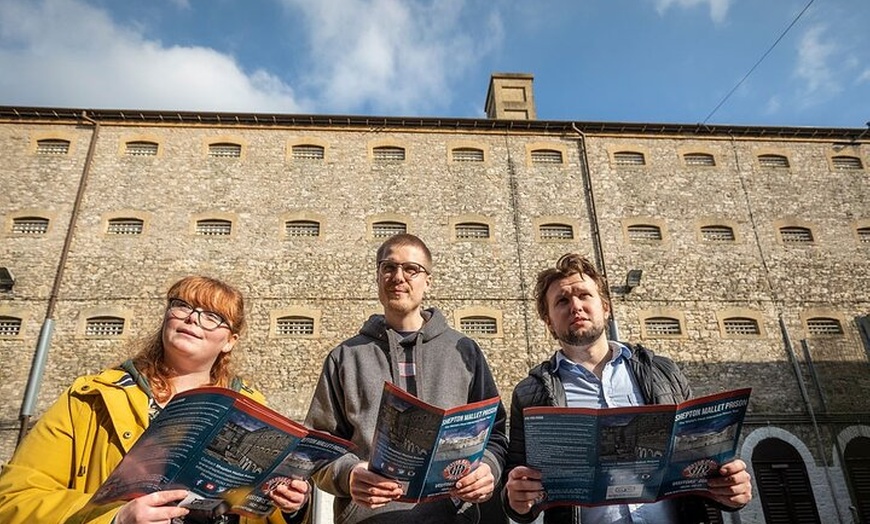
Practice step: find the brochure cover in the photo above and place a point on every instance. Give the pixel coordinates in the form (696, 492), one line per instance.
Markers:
(228, 450)
(426, 448)
(632, 454)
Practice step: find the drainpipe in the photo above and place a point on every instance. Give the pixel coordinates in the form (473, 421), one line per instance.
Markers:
(790, 353)
(37, 367)
(806, 398)
(598, 250)
(517, 218)
(808, 358)
(792, 357)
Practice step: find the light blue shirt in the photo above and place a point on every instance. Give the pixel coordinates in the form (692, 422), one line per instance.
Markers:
(617, 388)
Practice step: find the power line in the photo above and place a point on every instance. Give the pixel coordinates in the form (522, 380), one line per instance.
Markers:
(726, 97)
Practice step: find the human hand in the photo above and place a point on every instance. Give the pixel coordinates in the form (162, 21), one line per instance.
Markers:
(477, 486)
(524, 489)
(371, 490)
(733, 488)
(154, 507)
(290, 498)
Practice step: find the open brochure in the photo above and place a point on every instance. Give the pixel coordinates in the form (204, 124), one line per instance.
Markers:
(632, 454)
(228, 450)
(426, 448)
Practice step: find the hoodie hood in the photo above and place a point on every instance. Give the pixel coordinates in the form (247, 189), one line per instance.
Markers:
(434, 325)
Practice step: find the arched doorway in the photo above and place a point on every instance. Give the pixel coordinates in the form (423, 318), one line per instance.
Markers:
(856, 458)
(783, 484)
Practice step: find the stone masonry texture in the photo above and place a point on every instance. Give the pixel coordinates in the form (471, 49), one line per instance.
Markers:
(332, 277)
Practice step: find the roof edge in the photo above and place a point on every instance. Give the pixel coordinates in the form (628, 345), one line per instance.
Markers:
(57, 114)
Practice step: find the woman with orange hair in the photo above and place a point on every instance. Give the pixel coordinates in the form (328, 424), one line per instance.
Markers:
(80, 440)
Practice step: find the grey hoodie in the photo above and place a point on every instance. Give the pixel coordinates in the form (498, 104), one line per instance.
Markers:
(450, 371)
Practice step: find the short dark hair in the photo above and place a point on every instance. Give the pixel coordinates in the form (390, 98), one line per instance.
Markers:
(567, 265)
(402, 240)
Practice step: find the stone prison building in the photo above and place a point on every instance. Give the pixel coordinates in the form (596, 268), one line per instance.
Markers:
(742, 252)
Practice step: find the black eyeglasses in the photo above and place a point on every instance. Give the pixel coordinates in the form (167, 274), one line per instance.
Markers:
(388, 269)
(207, 320)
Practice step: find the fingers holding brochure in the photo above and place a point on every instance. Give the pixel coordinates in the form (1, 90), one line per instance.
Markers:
(524, 488)
(371, 490)
(734, 487)
(477, 486)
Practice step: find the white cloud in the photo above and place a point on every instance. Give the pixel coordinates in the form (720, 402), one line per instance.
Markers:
(718, 8)
(773, 106)
(393, 56)
(67, 53)
(815, 66)
(863, 77)
(370, 56)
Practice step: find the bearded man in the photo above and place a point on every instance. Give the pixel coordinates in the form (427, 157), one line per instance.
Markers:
(590, 371)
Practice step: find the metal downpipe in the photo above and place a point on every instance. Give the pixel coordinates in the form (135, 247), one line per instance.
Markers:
(806, 398)
(37, 367)
(597, 248)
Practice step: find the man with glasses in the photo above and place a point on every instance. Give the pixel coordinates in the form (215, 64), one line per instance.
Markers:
(415, 349)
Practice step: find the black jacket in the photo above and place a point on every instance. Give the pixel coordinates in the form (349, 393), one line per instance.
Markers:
(660, 382)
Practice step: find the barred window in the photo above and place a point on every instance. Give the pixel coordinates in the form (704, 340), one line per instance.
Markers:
(699, 159)
(467, 154)
(662, 326)
(104, 327)
(141, 148)
(225, 150)
(388, 154)
(295, 326)
(52, 146)
(824, 326)
(388, 229)
(478, 325)
(302, 228)
(864, 235)
(472, 231)
(741, 326)
(644, 232)
(717, 233)
(546, 156)
(556, 232)
(10, 326)
(214, 227)
(795, 235)
(847, 163)
(307, 152)
(125, 226)
(773, 161)
(30, 226)
(629, 158)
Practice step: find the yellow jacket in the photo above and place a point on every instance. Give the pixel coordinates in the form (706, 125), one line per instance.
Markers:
(74, 447)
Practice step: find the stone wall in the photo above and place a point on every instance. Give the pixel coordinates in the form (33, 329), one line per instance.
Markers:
(333, 275)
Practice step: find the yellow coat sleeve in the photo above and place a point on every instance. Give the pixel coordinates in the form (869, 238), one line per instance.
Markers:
(35, 484)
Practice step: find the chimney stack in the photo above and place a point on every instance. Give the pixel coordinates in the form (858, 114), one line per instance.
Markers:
(510, 97)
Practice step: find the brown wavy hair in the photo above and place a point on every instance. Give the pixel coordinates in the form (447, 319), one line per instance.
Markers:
(200, 292)
(568, 264)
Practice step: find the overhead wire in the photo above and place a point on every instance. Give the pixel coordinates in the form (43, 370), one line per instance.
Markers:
(781, 36)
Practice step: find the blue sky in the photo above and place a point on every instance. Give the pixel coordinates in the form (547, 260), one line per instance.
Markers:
(668, 61)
